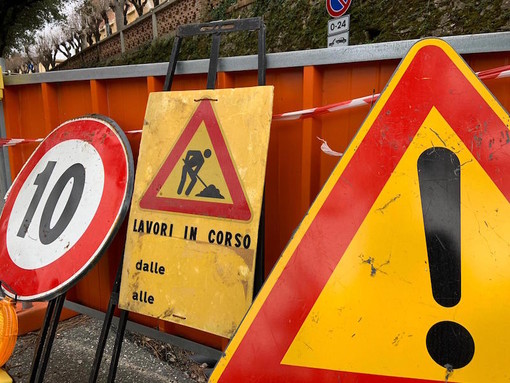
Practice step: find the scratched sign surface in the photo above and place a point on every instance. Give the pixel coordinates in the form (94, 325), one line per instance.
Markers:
(400, 271)
(193, 226)
(64, 207)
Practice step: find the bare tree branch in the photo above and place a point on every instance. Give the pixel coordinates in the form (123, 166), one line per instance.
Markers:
(139, 5)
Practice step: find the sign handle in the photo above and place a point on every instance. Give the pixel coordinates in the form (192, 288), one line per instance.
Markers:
(216, 28)
(46, 338)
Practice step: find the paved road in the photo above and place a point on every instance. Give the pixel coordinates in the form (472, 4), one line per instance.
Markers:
(74, 350)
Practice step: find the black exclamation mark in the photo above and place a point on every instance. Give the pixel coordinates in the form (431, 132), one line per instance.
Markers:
(449, 344)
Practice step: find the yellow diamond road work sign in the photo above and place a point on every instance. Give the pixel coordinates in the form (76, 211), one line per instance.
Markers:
(193, 225)
(400, 271)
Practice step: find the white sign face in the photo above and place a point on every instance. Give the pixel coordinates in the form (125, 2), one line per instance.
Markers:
(336, 26)
(339, 40)
(62, 193)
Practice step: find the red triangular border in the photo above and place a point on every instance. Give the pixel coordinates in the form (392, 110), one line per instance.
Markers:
(431, 80)
(238, 210)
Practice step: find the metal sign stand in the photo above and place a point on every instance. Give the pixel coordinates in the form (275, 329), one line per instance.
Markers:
(215, 29)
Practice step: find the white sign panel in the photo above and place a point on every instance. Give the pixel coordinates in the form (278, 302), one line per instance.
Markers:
(339, 40)
(340, 25)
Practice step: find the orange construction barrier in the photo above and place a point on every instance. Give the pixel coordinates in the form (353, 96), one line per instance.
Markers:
(296, 168)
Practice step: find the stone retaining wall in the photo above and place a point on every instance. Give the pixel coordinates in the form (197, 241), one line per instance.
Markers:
(161, 21)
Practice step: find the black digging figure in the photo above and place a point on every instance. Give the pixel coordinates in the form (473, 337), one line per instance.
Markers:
(192, 164)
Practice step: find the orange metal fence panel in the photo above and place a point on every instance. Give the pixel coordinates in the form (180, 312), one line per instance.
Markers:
(296, 168)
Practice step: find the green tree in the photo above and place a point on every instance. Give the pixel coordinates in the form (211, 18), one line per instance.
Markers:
(20, 18)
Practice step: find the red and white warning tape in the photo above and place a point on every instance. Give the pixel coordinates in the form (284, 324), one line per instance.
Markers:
(343, 105)
(490, 74)
(16, 141)
(4, 142)
(495, 73)
(326, 149)
(500, 72)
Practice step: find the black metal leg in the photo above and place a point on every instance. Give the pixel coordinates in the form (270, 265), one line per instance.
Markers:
(59, 304)
(102, 341)
(118, 344)
(262, 54)
(46, 338)
(258, 278)
(41, 340)
(172, 64)
(114, 300)
(213, 61)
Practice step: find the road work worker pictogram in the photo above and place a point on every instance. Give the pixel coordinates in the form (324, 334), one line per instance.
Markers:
(193, 162)
(198, 175)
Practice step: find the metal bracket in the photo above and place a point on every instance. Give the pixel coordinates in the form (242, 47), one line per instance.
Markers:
(2, 283)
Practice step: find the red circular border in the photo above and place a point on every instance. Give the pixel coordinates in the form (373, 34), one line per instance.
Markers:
(334, 13)
(45, 281)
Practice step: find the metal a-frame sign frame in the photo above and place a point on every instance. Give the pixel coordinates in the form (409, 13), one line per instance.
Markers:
(215, 29)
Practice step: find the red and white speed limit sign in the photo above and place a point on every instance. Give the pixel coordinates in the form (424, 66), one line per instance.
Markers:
(64, 207)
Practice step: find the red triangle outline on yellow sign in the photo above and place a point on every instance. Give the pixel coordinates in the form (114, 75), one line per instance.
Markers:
(239, 209)
(432, 75)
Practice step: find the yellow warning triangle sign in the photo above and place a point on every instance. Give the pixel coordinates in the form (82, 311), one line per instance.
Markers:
(400, 270)
(199, 176)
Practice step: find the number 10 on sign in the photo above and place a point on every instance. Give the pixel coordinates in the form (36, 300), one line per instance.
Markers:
(75, 176)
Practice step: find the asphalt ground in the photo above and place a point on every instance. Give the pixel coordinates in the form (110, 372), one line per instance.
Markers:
(142, 359)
